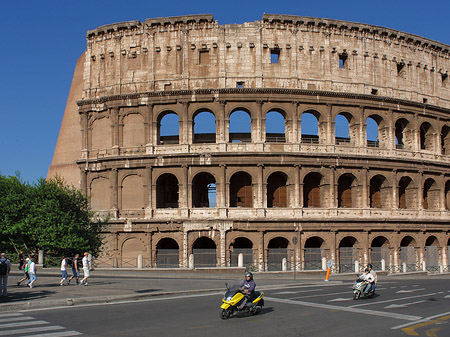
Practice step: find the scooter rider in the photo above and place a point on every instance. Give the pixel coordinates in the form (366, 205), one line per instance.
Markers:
(368, 277)
(374, 274)
(248, 287)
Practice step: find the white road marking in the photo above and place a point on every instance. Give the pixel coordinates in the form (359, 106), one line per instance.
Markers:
(420, 321)
(59, 334)
(320, 295)
(447, 296)
(13, 325)
(14, 319)
(30, 330)
(297, 292)
(409, 291)
(340, 299)
(393, 300)
(395, 306)
(349, 309)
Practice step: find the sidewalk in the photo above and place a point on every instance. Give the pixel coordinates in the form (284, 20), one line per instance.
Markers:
(121, 285)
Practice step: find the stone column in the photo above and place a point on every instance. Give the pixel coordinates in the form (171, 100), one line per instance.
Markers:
(298, 199)
(258, 132)
(365, 188)
(330, 126)
(150, 130)
(114, 113)
(223, 248)
(394, 190)
(222, 201)
(115, 192)
(420, 191)
(149, 207)
(333, 187)
(222, 127)
(186, 128)
(260, 196)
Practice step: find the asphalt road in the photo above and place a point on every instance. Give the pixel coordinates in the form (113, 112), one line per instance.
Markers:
(414, 307)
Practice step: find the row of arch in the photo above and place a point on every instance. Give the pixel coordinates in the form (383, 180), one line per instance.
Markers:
(315, 249)
(382, 192)
(241, 125)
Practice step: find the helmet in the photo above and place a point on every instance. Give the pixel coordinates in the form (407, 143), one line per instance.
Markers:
(366, 270)
(369, 266)
(248, 274)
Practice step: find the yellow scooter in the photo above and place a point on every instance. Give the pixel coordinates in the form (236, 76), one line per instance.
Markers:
(234, 299)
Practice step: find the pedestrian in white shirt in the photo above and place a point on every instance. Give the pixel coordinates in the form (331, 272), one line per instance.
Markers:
(86, 269)
(64, 275)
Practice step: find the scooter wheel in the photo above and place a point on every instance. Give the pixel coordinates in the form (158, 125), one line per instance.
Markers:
(225, 314)
(356, 295)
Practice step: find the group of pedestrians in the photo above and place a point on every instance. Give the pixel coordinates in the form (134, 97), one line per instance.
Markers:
(86, 264)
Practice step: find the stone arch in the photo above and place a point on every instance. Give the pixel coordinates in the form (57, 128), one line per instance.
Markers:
(404, 134)
(168, 128)
(375, 131)
(277, 250)
(204, 190)
(447, 197)
(348, 254)
(345, 128)
(101, 138)
(132, 193)
(379, 251)
(131, 248)
(314, 253)
(204, 126)
(133, 130)
(408, 254)
(167, 191)
(275, 126)
(311, 130)
(312, 188)
(241, 193)
(431, 195)
(445, 140)
(167, 253)
(380, 193)
(100, 194)
(277, 195)
(204, 251)
(432, 256)
(406, 193)
(244, 246)
(427, 137)
(240, 126)
(347, 194)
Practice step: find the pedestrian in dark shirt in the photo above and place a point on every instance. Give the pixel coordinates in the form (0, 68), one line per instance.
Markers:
(75, 271)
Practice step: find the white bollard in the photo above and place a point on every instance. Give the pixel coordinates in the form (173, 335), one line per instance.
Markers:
(404, 267)
(284, 264)
(356, 267)
(324, 263)
(424, 266)
(441, 269)
(191, 261)
(383, 265)
(41, 257)
(240, 260)
(140, 261)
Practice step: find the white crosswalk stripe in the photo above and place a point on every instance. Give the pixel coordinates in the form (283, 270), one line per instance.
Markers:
(19, 325)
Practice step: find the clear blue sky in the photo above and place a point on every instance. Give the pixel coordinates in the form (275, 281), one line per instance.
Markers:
(41, 41)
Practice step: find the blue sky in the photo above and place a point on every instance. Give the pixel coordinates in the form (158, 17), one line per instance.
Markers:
(41, 41)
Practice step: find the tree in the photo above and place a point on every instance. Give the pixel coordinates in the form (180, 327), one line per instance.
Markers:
(49, 215)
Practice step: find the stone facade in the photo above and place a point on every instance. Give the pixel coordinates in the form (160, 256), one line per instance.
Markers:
(177, 195)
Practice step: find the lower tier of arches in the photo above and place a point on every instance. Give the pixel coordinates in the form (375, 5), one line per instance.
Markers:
(275, 247)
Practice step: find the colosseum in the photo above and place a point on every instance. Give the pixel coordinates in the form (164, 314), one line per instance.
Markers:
(279, 144)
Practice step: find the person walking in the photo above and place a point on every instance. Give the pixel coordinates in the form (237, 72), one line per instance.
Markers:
(75, 271)
(86, 268)
(31, 272)
(5, 268)
(64, 275)
(26, 270)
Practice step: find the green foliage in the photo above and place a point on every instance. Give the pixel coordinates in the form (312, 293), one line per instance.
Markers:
(48, 215)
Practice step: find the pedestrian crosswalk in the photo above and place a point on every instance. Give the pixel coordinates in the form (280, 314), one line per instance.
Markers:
(20, 325)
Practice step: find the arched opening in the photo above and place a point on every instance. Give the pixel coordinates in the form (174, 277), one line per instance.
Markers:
(432, 254)
(346, 196)
(131, 249)
(204, 250)
(426, 137)
(347, 255)
(132, 193)
(403, 135)
(379, 251)
(133, 132)
(408, 254)
(406, 193)
(430, 195)
(314, 252)
(241, 194)
(100, 194)
(311, 190)
(167, 253)
(204, 125)
(167, 191)
(310, 127)
(447, 196)
(372, 130)
(101, 134)
(342, 128)
(445, 140)
(168, 128)
(242, 246)
(275, 127)
(204, 190)
(380, 194)
(277, 250)
(276, 190)
(240, 129)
